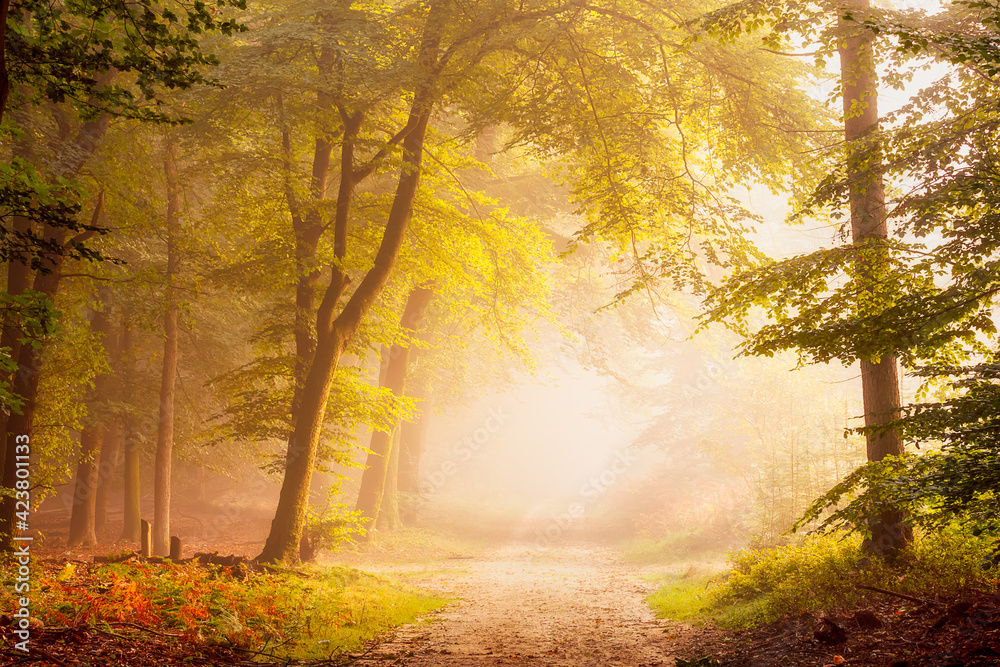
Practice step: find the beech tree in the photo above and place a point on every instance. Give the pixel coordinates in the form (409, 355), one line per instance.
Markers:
(168, 374)
(870, 233)
(82, 525)
(83, 64)
(382, 451)
(943, 280)
(807, 312)
(633, 177)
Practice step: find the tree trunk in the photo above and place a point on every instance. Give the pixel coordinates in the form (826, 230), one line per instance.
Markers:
(374, 479)
(334, 332)
(82, 522)
(118, 344)
(67, 163)
(168, 377)
(879, 379)
(412, 435)
(130, 439)
(110, 450)
(388, 516)
(82, 531)
(133, 511)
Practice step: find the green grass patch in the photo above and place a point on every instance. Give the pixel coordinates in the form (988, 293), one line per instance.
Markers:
(823, 572)
(689, 595)
(309, 613)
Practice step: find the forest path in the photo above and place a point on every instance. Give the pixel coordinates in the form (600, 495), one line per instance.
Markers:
(520, 604)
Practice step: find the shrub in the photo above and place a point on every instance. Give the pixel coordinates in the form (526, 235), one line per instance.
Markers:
(822, 572)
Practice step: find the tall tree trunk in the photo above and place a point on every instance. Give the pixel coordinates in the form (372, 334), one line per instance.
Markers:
(82, 522)
(374, 478)
(412, 435)
(131, 531)
(18, 276)
(121, 355)
(110, 449)
(879, 378)
(335, 331)
(67, 164)
(82, 530)
(168, 377)
(388, 514)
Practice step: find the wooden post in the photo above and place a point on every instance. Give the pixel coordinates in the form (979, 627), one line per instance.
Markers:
(146, 532)
(175, 548)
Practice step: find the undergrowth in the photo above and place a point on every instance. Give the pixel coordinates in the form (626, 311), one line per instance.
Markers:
(822, 572)
(288, 614)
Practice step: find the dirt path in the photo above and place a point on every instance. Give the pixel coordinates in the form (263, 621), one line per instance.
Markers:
(558, 606)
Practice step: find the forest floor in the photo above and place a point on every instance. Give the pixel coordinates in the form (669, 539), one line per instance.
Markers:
(570, 604)
(563, 605)
(560, 604)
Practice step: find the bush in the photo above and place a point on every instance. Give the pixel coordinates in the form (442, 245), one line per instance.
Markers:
(295, 614)
(823, 572)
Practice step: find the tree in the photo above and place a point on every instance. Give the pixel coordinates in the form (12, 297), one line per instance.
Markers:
(798, 294)
(945, 287)
(334, 331)
(378, 470)
(65, 60)
(168, 375)
(83, 523)
(870, 233)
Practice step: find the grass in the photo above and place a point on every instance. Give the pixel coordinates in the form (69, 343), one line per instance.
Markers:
(820, 573)
(310, 613)
(690, 596)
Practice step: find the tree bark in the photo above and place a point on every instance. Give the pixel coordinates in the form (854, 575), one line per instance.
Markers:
(82, 532)
(375, 477)
(130, 439)
(869, 229)
(131, 531)
(110, 450)
(168, 377)
(122, 362)
(82, 522)
(67, 163)
(388, 514)
(412, 435)
(335, 331)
